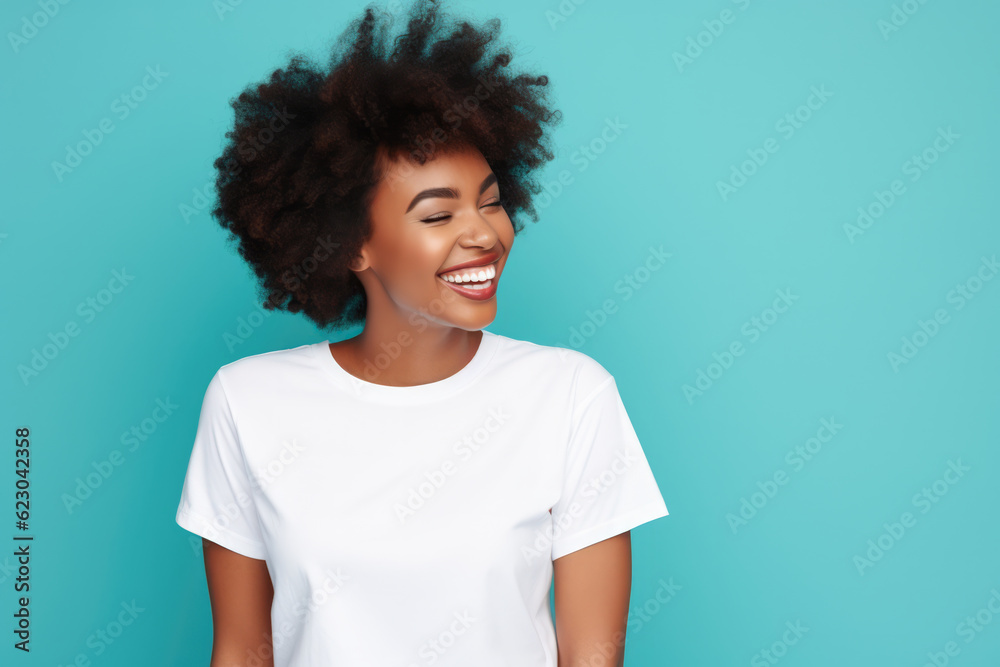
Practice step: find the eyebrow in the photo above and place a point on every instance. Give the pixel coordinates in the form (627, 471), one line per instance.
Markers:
(449, 193)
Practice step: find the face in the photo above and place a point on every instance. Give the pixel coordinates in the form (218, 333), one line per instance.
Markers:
(426, 221)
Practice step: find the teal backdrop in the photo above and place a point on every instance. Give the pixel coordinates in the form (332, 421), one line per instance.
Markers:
(770, 221)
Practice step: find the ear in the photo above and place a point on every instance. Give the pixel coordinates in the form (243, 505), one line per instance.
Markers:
(360, 262)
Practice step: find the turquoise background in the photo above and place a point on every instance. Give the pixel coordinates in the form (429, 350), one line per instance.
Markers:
(794, 558)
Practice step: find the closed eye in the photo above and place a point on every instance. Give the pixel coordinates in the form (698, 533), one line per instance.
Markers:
(493, 204)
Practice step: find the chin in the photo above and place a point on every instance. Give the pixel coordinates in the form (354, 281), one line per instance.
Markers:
(474, 318)
(477, 321)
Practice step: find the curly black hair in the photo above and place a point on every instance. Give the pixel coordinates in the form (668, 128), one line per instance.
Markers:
(308, 146)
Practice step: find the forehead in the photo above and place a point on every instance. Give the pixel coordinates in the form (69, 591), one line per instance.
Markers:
(448, 167)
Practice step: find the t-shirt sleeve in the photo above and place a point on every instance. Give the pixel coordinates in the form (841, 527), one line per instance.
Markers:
(216, 499)
(608, 486)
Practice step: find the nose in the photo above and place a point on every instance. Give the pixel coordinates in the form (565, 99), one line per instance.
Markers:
(478, 231)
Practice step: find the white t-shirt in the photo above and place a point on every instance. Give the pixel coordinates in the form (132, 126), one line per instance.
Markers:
(412, 526)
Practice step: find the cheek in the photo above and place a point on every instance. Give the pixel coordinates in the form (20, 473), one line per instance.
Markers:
(422, 293)
(506, 232)
(411, 269)
(412, 258)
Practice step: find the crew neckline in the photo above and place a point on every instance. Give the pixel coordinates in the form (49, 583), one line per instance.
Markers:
(419, 393)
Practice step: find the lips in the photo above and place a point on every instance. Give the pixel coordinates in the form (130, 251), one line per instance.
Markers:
(479, 263)
(486, 290)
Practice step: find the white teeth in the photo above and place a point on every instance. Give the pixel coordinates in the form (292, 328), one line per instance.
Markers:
(472, 276)
(479, 286)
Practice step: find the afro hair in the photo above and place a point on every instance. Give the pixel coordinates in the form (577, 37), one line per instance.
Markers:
(308, 146)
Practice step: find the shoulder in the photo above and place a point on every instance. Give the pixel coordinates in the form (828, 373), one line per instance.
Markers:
(581, 374)
(266, 369)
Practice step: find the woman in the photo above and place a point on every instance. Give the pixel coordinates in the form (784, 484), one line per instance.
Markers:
(406, 496)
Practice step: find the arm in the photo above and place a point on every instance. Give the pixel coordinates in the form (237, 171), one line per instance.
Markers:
(592, 589)
(240, 591)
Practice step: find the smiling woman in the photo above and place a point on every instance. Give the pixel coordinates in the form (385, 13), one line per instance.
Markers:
(361, 131)
(409, 495)
(444, 221)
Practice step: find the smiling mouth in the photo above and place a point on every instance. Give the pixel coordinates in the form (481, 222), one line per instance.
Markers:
(475, 277)
(478, 283)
